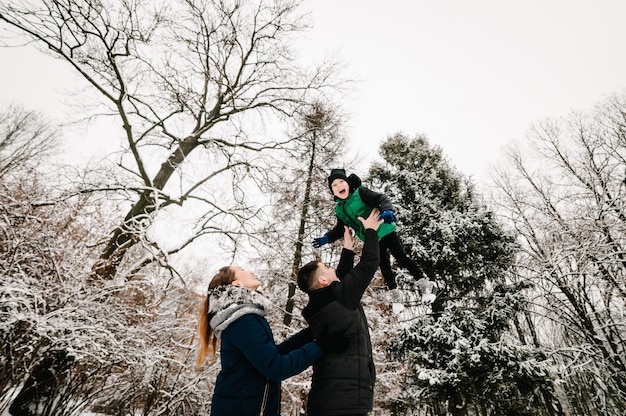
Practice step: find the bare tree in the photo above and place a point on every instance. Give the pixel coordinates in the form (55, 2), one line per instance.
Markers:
(37, 361)
(566, 197)
(26, 138)
(296, 191)
(177, 77)
(66, 345)
(319, 144)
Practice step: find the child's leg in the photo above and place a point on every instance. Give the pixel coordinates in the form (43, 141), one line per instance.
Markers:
(393, 243)
(385, 267)
(395, 247)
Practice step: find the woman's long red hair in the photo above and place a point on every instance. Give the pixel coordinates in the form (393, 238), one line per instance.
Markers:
(207, 341)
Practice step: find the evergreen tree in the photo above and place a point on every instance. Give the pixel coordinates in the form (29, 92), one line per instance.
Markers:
(463, 353)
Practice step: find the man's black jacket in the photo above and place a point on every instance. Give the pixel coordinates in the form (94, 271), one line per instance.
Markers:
(344, 383)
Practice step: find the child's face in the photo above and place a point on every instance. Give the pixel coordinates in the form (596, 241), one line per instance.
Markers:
(340, 188)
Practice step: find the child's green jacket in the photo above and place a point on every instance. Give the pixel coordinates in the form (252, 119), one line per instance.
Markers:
(360, 203)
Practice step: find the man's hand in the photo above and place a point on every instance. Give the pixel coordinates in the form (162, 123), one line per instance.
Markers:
(372, 221)
(348, 238)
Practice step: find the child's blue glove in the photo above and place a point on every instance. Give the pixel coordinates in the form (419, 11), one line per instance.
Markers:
(388, 216)
(318, 242)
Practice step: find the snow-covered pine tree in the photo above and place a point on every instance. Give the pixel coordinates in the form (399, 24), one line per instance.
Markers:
(461, 356)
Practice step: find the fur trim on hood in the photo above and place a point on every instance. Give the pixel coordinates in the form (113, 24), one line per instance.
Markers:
(227, 303)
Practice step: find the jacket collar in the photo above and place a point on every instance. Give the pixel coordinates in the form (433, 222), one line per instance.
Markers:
(318, 299)
(227, 303)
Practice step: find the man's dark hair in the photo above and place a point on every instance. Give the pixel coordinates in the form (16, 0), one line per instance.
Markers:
(306, 275)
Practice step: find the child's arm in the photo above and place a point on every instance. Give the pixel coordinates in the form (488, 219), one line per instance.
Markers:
(375, 199)
(331, 236)
(379, 201)
(337, 232)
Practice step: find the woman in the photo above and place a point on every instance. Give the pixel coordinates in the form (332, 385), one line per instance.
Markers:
(252, 364)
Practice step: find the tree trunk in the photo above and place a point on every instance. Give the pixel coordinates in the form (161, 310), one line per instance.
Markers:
(297, 256)
(457, 405)
(41, 387)
(138, 217)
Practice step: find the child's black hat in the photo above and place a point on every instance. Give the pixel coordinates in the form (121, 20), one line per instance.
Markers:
(336, 174)
(353, 180)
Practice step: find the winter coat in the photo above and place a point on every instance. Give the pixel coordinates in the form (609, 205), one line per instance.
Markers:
(359, 203)
(344, 383)
(249, 357)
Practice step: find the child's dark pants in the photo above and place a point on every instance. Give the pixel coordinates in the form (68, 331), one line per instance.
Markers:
(392, 244)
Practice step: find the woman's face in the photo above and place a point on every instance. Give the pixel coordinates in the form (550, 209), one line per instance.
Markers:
(245, 278)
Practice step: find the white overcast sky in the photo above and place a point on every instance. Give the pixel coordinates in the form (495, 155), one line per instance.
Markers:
(472, 75)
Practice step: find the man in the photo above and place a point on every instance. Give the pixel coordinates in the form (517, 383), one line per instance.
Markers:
(343, 383)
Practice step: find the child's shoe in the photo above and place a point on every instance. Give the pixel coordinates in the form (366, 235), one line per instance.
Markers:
(428, 289)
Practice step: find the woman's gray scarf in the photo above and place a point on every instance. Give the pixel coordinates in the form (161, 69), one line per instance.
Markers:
(227, 303)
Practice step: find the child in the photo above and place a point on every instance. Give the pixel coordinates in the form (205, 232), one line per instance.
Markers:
(352, 200)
